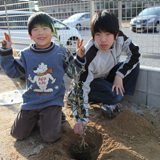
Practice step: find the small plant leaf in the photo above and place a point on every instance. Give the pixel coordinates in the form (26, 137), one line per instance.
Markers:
(83, 135)
(89, 130)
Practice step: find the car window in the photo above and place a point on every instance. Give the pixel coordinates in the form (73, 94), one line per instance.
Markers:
(15, 21)
(74, 17)
(87, 16)
(59, 26)
(150, 11)
(83, 17)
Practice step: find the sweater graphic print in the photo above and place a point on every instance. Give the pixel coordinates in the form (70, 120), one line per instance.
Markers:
(42, 78)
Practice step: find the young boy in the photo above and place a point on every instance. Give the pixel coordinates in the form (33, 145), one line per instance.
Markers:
(44, 65)
(106, 80)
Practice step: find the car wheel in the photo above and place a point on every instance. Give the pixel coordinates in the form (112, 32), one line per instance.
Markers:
(156, 29)
(72, 41)
(78, 26)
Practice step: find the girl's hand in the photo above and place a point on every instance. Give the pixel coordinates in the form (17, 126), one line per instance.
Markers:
(6, 43)
(80, 48)
(118, 84)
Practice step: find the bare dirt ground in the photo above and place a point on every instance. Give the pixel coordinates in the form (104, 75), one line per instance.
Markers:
(134, 134)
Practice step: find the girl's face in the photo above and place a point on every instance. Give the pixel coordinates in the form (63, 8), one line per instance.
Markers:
(104, 39)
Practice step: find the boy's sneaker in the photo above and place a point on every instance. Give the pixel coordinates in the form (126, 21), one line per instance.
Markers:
(110, 109)
(117, 107)
(106, 109)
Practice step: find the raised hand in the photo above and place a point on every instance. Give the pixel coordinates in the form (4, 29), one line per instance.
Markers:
(6, 43)
(80, 48)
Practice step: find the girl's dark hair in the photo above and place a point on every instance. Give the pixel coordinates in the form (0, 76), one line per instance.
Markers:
(104, 21)
(41, 18)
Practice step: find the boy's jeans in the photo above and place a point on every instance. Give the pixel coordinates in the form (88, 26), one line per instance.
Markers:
(101, 89)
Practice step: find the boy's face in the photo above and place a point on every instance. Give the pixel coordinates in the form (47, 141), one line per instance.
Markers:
(41, 35)
(104, 40)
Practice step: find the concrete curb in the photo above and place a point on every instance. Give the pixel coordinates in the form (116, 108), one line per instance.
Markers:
(148, 87)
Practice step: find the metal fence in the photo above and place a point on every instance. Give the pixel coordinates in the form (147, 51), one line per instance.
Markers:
(17, 14)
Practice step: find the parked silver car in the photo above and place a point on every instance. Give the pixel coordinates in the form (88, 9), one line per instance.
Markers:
(148, 19)
(79, 20)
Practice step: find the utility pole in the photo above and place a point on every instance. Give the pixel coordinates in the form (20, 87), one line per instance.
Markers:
(7, 18)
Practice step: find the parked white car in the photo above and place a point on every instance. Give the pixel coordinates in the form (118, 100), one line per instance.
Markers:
(79, 20)
(19, 33)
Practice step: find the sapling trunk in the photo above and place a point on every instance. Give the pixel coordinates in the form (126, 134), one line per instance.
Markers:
(76, 99)
(82, 126)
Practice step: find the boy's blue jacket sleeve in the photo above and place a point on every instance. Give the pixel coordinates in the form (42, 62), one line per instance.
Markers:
(11, 66)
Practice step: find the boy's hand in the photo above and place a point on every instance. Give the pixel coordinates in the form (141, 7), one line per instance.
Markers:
(6, 43)
(78, 128)
(80, 48)
(118, 84)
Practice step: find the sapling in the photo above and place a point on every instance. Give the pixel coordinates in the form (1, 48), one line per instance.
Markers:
(76, 99)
